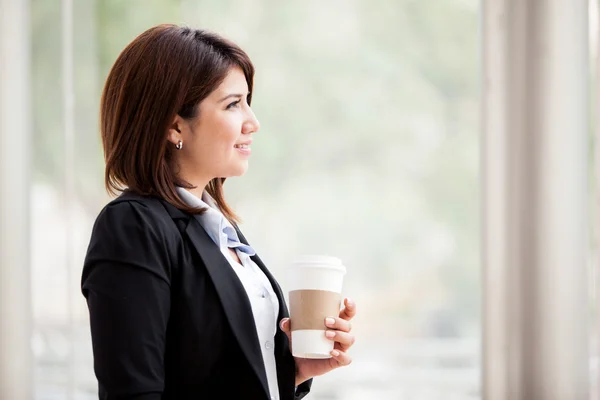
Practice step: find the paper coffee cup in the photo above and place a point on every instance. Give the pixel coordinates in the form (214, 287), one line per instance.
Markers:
(315, 287)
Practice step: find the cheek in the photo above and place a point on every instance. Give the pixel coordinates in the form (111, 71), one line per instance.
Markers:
(218, 137)
(228, 135)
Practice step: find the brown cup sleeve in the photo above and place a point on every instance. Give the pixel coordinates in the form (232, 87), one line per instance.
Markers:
(309, 308)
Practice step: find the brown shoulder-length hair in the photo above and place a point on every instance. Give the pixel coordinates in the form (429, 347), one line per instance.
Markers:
(165, 71)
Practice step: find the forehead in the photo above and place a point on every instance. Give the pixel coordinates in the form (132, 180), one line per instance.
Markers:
(234, 82)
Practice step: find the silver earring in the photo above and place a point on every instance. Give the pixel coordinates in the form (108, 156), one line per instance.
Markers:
(179, 145)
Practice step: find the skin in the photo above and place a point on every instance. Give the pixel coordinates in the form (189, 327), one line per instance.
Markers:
(339, 332)
(225, 120)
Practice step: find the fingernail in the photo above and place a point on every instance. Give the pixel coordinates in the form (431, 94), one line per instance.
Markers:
(330, 334)
(329, 321)
(335, 353)
(349, 302)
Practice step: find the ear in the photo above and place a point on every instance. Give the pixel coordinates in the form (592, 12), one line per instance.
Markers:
(174, 134)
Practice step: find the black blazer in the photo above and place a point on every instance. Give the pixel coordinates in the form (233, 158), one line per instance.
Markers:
(169, 317)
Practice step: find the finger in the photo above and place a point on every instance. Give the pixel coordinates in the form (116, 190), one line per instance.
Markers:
(284, 325)
(344, 339)
(338, 323)
(341, 357)
(349, 310)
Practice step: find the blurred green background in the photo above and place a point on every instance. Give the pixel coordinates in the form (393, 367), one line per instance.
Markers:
(368, 151)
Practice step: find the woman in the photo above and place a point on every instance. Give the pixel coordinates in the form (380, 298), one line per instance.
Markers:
(180, 305)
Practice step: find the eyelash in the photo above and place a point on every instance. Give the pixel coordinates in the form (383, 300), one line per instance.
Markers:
(234, 104)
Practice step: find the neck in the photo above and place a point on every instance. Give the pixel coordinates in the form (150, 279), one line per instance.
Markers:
(197, 191)
(187, 172)
(198, 183)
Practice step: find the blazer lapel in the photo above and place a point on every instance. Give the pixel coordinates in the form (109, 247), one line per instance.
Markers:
(283, 310)
(282, 344)
(286, 365)
(232, 295)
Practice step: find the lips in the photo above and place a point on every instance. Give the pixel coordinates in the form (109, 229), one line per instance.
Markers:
(243, 145)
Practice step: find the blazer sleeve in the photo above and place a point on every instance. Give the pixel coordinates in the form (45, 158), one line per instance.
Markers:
(303, 389)
(126, 282)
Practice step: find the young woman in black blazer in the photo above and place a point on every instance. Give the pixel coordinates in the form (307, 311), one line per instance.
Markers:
(171, 315)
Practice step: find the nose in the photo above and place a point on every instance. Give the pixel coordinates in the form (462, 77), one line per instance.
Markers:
(251, 125)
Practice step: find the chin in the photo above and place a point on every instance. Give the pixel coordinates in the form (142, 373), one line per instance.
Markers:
(239, 170)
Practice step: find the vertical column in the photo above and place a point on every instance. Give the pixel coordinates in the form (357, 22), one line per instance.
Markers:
(68, 80)
(595, 35)
(594, 19)
(15, 115)
(534, 179)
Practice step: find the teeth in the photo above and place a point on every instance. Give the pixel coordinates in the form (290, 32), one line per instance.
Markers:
(241, 146)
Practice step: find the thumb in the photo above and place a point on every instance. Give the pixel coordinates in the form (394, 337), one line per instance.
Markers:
(284, 325)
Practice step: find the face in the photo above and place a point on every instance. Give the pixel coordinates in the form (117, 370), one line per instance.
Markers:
(216, 144)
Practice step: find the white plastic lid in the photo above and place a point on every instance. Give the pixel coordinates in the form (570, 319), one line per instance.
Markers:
(316, 261)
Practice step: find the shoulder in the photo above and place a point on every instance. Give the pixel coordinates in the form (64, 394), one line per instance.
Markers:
(130, 209)
(137, 219)
(134, 230)
(129, 201)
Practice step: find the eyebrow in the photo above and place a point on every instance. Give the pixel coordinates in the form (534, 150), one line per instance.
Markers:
(238, 95)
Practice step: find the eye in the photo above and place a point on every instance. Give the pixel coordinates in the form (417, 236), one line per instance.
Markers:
(233, 105)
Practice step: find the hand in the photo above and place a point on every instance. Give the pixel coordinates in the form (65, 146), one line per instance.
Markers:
(339, 332)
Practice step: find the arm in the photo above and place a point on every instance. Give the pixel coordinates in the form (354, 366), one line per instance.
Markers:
(303, 389)
(126, 284)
